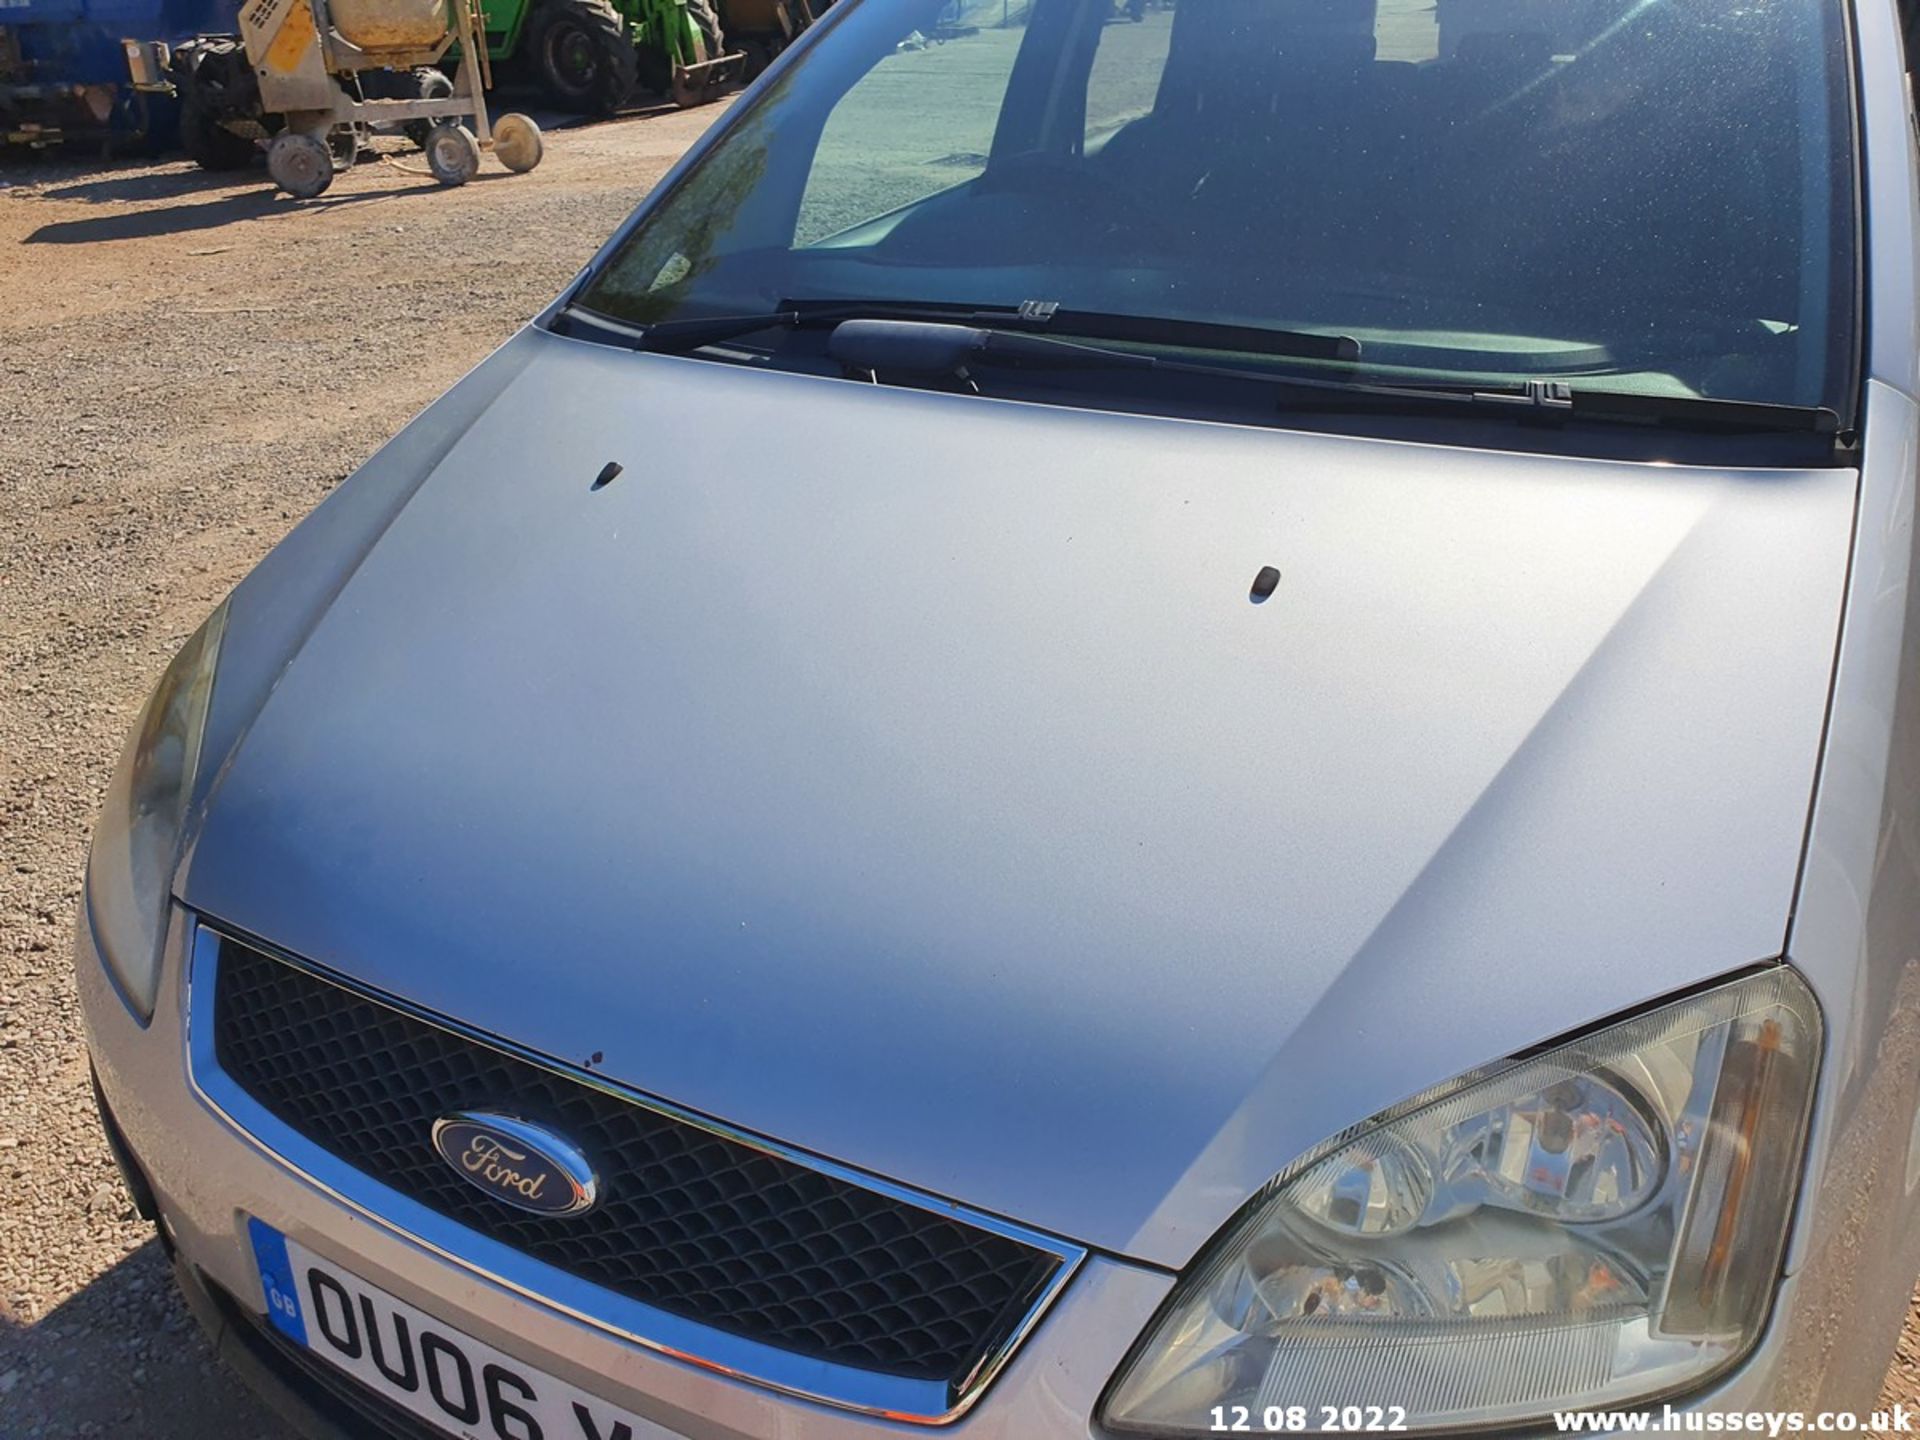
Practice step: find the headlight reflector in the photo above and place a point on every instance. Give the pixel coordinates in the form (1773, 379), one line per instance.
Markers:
(1596, 1225)
(136, 840)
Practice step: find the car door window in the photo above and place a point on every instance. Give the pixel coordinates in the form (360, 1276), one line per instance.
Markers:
(1126, 69)
(920, 121)
(1136, 36)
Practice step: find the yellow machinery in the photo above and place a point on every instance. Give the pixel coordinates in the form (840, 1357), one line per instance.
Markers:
(313, 78)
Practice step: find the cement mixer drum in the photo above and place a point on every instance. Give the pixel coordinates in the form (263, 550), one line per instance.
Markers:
(391, 25)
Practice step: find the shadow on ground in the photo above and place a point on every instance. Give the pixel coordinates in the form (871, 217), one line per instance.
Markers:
(110, 189)
(249, 204)
(122, 1358)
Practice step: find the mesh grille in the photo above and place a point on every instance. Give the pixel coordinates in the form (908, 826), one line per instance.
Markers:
(689, 1221)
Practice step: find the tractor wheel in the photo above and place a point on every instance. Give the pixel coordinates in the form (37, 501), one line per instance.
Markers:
(208, 143)
(761, 51)
(707, 21)
(130, 131)
(428, 85)
(653, 73)
(582, 55)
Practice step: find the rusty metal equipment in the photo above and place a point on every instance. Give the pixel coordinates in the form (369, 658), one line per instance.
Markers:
(62, 80)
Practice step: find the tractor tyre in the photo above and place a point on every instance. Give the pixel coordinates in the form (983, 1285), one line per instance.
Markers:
(706, 20)
(761, 51)
(582, 54)
(427, 85)
(653, 72)
(208, 143)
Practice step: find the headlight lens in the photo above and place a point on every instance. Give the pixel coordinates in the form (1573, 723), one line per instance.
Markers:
(1594, 1226)
(136, 841)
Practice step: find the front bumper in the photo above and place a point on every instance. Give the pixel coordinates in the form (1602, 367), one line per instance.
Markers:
(206, 1178)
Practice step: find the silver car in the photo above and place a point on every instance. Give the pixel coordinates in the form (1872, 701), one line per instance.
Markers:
(1147, 721)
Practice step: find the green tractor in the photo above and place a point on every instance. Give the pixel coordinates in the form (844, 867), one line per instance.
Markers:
(590, 56)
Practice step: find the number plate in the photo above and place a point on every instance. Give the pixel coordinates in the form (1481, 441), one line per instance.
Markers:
(455, 1383)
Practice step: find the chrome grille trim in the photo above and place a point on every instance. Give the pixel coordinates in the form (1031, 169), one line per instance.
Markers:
(844, 1387)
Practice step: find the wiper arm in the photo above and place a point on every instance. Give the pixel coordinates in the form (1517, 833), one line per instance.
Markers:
(678, 337)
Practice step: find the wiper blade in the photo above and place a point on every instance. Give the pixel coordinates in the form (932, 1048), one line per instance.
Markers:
(932, 348)
(922, 338)
(1190, 334)
(1553, 402)
(1698, 412)
(1557, 402)
(678, 337)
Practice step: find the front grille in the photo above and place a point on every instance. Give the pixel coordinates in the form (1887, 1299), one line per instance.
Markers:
(690, 1221)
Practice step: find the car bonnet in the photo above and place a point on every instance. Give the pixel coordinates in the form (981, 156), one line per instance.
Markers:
(911, 777)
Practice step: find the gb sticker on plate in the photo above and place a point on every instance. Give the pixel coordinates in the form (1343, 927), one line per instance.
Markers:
(277, 1281)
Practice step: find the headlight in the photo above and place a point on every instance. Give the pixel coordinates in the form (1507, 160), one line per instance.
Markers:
(1598, 1225)
(136, 841)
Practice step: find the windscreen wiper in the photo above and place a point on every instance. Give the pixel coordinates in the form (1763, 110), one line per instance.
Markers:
(1032, 317)
(929, 348)
(916, 347)
(1556, 401)
(680, 337)
(1684, 412)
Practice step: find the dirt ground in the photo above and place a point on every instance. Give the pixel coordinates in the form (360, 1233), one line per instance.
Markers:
(188, 364)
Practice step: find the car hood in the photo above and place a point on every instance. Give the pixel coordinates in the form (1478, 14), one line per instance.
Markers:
(910, 778)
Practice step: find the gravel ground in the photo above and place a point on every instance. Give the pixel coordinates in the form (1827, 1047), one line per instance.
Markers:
(189, 365)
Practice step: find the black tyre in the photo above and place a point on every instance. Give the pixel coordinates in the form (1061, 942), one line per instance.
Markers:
(130, 131)
(654, 73)
(760, 52)
(707, 21)
(428, 85)
(582, 55)
(208, 143)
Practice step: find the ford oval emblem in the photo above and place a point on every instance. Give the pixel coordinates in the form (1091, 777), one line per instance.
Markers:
(517, 1161)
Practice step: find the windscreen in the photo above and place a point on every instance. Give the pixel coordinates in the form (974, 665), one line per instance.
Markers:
(1643, 195)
